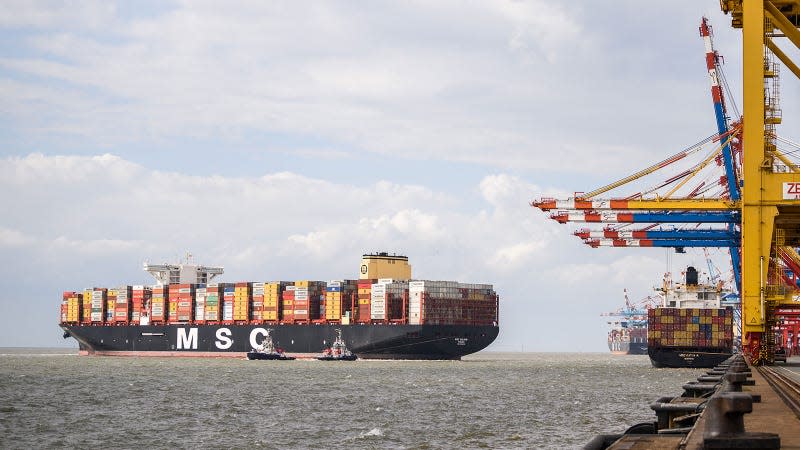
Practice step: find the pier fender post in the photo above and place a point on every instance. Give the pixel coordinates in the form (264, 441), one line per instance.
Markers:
(725, 424)
(733, 382)
(602, 441)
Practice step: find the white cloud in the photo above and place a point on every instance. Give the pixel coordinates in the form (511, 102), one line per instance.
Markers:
(506, 84)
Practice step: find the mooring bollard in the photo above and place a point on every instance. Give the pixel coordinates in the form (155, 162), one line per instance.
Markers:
(724, 415)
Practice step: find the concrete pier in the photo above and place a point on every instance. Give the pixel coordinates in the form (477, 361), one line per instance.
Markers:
(744, 411)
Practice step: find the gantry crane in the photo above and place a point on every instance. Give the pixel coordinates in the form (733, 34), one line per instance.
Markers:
(713, 200)
(770, 204)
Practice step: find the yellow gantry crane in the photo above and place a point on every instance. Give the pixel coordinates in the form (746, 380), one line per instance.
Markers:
(770, 207)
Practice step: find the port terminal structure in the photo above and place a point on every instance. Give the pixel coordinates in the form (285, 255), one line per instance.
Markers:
(737, 189)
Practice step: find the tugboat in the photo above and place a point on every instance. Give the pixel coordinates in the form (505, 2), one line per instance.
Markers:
(338, 350)
(268, 351)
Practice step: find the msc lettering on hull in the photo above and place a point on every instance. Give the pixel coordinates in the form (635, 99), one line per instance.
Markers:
(187, 338)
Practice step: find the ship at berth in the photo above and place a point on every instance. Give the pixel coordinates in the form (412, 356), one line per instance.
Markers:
(384, 314)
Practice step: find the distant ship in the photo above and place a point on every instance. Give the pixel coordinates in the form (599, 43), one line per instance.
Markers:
(384, 314)
(628, 333)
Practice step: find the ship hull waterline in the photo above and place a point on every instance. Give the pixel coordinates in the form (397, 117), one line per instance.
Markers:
(687, 357)
(428, 342)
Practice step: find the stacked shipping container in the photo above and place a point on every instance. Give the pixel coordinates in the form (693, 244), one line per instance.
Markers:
(71, 307)
(98, 304)
(228, 291)
(242, 297)
(158, 304)
(111, 301)
(307, 296)
(362, 314)
(450, 302)
(200, 293)
(122, 306)
(258, 302)
(271, 311)
(690, 327)
(337, 301)
(211, 303)
(364, 301)
(181, 302)
(388, 300)
(140, 302)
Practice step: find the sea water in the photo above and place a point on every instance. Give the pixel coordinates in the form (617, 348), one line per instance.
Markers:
(54, 398)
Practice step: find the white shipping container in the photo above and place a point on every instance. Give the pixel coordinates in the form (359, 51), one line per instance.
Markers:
(258, 285)
(185, 290)
(97, 317)
(385, 280)
(334, 283)
(378, 288)
(184, 304)
(290, 288)
(300, 312)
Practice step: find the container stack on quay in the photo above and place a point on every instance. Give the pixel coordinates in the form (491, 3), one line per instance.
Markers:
(690, 327)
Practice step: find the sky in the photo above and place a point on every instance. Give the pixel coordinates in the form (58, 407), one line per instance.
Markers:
(283, 140)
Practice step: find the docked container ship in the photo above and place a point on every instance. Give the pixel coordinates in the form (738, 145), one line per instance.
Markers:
(691, 328)
(384, 314)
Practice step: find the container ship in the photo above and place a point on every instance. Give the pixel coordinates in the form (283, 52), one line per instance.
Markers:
(628, 333)
(384, 314)
(692, 328)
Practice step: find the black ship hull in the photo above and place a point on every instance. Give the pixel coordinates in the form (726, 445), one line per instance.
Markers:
(691, 357)
(626, 348)
(637, 348)
(366, 341)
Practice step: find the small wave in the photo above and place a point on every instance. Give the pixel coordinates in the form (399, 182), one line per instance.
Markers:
(375, 432)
